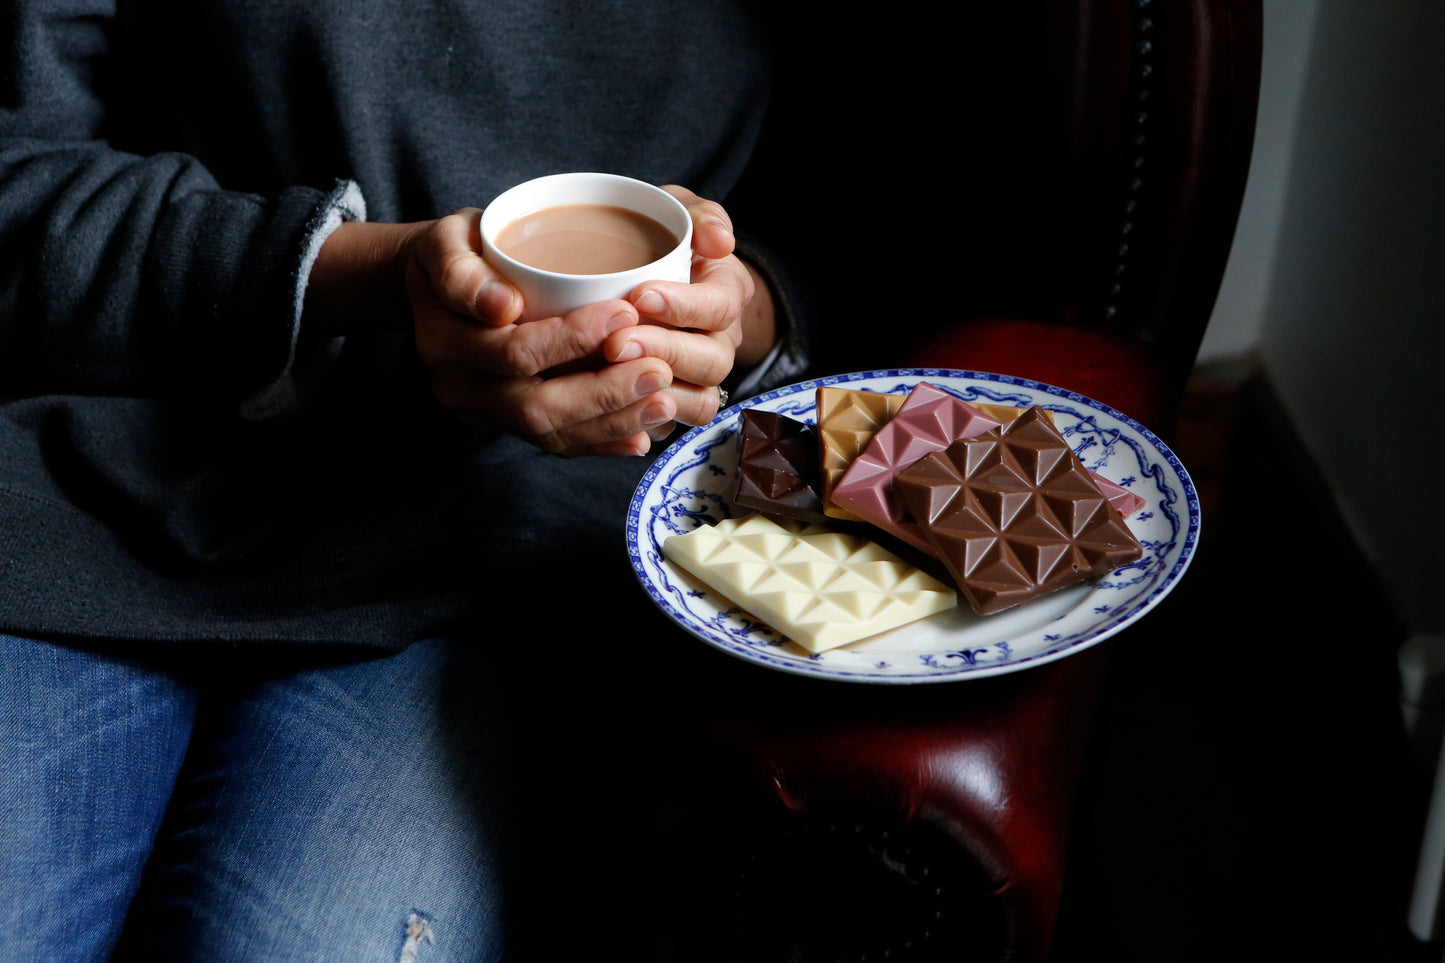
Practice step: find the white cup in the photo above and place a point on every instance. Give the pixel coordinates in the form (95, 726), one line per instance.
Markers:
(549, 294)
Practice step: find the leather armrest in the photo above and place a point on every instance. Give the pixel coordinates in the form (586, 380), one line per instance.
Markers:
(1113, 369)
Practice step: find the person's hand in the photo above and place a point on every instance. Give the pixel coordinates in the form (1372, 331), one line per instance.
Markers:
(537, 380)
(701, 329)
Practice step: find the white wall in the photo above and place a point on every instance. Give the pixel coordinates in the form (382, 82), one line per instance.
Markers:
(1239, 313)
(1336, 277)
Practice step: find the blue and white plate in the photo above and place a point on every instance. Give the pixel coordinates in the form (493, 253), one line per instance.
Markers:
(692, 484)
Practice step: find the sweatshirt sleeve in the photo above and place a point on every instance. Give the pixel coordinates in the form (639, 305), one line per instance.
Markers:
(788, 360)
(137, 275)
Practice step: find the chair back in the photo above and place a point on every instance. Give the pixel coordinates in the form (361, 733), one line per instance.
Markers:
(1074, 162)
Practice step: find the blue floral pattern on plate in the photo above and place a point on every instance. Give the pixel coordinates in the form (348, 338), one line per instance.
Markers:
(691, 484)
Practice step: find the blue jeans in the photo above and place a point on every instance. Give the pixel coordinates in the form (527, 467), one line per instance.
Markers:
(350, 812)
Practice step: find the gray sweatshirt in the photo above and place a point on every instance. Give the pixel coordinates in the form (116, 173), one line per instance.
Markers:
(179, 459)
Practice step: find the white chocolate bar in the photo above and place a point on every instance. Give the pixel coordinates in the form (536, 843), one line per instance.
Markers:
(821, 589)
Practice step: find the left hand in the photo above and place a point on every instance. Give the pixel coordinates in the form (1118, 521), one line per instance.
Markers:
(725, 316)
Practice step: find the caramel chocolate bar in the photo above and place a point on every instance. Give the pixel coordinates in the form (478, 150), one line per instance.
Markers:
(848, 418)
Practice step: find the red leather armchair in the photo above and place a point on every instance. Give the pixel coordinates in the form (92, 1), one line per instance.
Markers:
(1041, 188)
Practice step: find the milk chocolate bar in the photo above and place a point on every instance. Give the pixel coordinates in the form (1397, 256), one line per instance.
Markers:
(821, 589)
(778, 466)
(1120, 497)
(848, 418)
(930, 419)
(1013, 513)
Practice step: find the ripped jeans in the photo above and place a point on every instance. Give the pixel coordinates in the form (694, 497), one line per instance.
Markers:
(350, 812)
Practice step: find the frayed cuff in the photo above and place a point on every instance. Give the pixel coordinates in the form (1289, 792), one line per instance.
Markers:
(310, 358)
(787, 361)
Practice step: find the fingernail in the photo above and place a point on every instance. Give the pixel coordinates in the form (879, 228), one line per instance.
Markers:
(656, 413)
(631, 351)
(494, 300)
(650, 303)
(649, 383)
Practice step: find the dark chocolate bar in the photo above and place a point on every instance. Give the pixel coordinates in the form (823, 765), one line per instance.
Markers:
(778, 467)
